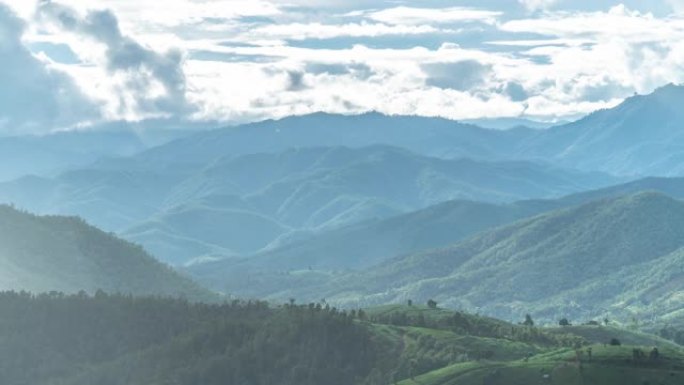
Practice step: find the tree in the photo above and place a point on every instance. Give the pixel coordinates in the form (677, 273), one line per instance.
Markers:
(638, 354)
(655, 354)
(432, 304)
(528, 320)
(564, 322)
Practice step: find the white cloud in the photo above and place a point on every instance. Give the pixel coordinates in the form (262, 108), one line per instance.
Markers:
(143, 15)
(677, 5)
(417, 16)
(150, 63)
(301, 31)
(534, 5)
(619, 21)
(629, 50)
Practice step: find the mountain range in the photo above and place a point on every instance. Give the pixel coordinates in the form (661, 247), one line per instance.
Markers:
(239, 205)
(52, 153)
(369, 242)
(619, 256)
(243, 190)
(310, 198)
(640, 137)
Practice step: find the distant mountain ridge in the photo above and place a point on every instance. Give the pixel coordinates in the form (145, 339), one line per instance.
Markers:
(237, 205)
(53, 153)
(359, 246)
(642, 136)
(434, 137)
(288, 178)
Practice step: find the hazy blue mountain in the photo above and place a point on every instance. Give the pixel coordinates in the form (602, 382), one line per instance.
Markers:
(427, 136)
(51, 154)
(509, 123)
(42, 254)
(190, 231)
(236, 205)
(368, 243)
(641, 136)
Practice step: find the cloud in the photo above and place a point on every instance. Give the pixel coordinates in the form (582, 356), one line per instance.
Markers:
(255, 59)
(619, 21)
(605, 55)
(34, 96)
(535, 5)
(304, 31)
(358, 70)
(462, 75)
(426, 16)
(155, 82)
(677, 5)
(295, 81)
(515, 91)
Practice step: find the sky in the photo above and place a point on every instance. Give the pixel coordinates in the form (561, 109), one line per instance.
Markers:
(72, 64)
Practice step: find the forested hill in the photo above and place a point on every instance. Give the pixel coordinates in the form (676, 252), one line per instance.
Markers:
(619, 256)
(119, 340)
(55, 253)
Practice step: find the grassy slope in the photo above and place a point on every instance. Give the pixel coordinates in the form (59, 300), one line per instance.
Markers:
(609, 365)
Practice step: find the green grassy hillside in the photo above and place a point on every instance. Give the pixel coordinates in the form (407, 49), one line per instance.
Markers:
(533, 355)
(608, 365)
